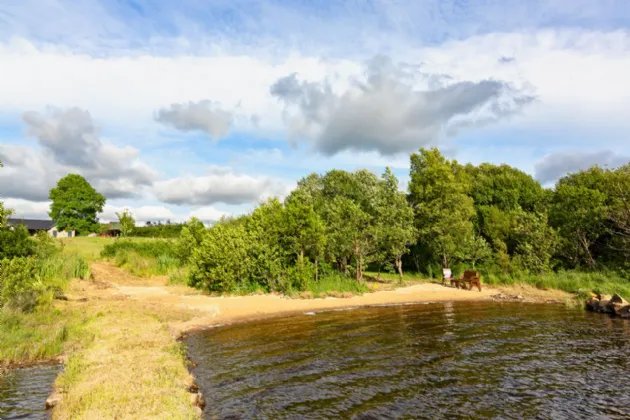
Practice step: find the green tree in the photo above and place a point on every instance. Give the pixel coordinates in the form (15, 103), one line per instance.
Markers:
(443, 210)
(221, 262)
(75, 204)
(304, 230)
(190, 238)
(474, 249)
(394, 221)
(127, 222)
(579, 212)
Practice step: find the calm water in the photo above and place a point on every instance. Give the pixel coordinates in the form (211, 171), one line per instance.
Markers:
(452, 360)
(23, 392)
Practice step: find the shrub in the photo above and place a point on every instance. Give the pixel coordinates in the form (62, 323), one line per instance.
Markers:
(16, 242)
(20, 287)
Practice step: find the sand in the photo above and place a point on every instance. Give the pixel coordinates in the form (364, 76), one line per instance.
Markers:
(211, 310)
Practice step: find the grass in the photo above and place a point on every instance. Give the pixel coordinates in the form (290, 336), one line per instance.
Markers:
(579, 283)
(409, 277)
(40, 336)
(335, 284)
(132, 368)
(88, 248)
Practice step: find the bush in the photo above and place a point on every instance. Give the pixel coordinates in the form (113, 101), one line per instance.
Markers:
(16, 242)
(20, 287)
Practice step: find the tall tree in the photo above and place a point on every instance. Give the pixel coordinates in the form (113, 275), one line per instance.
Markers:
(443, 210)
(127, 222)
(394, 221)
(75, 204)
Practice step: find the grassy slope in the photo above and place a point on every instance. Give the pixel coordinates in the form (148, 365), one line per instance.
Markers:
(129, 367)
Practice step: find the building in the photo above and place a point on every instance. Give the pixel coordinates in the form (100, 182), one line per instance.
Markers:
(34, 226)
(111, 229)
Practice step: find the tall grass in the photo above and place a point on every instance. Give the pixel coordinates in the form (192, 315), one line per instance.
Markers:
(144, 258)
(41, 335)
(569, 281)
(335, 283)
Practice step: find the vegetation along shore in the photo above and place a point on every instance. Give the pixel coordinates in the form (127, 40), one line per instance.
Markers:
(112, 309)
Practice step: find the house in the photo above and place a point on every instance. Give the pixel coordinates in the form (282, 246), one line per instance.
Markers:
(111, 229)
(34, 226)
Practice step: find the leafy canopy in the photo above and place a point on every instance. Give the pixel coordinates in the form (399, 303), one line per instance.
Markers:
(75, 204)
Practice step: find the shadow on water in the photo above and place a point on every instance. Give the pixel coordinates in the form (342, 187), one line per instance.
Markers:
(456, 360)
(23, 392)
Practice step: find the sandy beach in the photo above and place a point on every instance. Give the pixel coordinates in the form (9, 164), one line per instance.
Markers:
(212, 311)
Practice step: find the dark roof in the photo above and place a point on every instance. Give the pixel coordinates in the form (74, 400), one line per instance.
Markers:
(33, 224)
(114, 226)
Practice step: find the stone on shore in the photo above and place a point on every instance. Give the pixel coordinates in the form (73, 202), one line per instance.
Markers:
(53, 400)
(592, 304)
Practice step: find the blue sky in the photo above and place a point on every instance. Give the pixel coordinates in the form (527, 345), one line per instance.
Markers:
(203, 108)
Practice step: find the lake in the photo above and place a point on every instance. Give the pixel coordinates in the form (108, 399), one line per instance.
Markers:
(23, 392)
(439, 360)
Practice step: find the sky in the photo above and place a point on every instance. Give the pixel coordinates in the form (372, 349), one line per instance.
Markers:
(206, 107)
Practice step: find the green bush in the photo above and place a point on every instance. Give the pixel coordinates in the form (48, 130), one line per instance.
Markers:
(20, 285)
(16, 242)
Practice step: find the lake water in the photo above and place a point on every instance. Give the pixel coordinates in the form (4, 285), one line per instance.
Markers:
(23, 392)
(441, 360)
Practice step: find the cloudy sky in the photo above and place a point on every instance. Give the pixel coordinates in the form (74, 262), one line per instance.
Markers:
(205, 107)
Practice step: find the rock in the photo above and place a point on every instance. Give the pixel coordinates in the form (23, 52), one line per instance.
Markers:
(604, 307)
(198, 400)
(592, 304)
(53, 400)
(623, 311)
(617, 303)
(604, 297)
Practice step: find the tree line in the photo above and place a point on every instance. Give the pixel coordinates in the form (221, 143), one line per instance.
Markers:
(491, 217)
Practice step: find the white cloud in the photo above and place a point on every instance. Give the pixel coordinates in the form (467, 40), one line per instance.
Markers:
(219, 185)
(555, 165)
(69, 143)
(141, 214)
(384, 111)
(207, 214)
(204, 116)
(26, 209)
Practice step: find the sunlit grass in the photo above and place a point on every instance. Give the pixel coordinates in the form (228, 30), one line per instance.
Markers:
(569, 281)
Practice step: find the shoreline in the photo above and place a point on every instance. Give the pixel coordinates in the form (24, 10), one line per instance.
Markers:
(129, 322)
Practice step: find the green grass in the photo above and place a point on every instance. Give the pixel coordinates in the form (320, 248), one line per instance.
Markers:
(41, 335)
(88, 248)
(335, 283)
(569, 281)
(408, 277)
(143, 257)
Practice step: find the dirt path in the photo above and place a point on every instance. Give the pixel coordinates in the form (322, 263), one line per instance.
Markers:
(219, 310)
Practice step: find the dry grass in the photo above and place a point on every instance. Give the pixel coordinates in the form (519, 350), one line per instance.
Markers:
(130, 367)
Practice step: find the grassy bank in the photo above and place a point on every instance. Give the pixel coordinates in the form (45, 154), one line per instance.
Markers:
(579, 283)
(131, 367)
(32, 327)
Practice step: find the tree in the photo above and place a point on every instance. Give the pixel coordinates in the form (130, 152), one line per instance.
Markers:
(579, 213)
(474, 249)
(127, 222)
(304, 230)
(394, 221)
(443, 210)
(75, 204)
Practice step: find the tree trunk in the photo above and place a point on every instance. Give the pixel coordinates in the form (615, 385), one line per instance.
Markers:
(316, 269)
(398, 264)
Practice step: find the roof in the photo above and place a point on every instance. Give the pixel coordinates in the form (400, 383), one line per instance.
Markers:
(114, 226)
(33, 224)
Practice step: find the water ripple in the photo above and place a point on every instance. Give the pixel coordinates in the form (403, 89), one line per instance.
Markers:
(456, 360)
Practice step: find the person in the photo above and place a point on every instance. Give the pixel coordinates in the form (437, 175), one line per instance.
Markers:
(448, 275)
